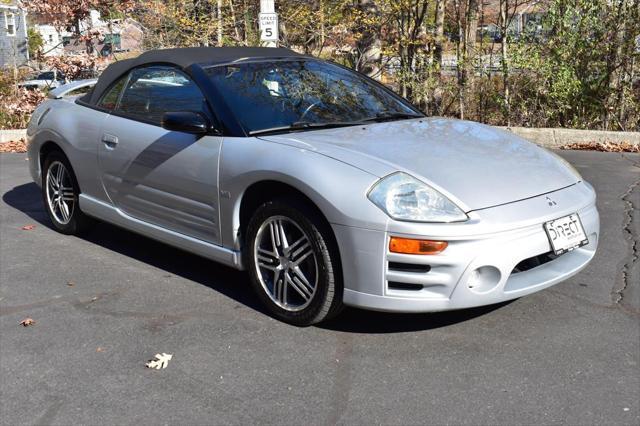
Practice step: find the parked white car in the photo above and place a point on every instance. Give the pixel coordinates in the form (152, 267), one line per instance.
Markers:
(44, 80)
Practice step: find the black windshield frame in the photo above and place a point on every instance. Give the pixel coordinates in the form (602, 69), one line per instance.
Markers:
(366, 80)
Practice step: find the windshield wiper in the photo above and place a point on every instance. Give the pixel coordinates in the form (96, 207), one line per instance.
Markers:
(305, 125)
(391, 115)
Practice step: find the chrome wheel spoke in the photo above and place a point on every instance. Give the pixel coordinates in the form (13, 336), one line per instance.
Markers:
(67, 193)
(267, 259)
(302, 290)
(275, 236)
(299, 275)
(296, 244)
(284, 244)
(64, 210)
(301, 253)
(279, 286)
(51, 182)
(60, 174)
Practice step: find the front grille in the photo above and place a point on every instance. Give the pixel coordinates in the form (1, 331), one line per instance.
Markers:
(534, 262)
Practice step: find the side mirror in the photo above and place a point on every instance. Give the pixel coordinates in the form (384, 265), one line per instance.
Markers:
(187, 122)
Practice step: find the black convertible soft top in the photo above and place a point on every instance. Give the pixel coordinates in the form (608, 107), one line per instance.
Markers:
(183, 58)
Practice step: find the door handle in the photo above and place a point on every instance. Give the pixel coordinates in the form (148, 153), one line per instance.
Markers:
(109, 140)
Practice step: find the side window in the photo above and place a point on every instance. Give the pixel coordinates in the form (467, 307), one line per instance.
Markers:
(152, 91)
(110, 99)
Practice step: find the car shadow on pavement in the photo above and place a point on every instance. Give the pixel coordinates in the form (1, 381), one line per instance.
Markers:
(228, 281)
(370, 322)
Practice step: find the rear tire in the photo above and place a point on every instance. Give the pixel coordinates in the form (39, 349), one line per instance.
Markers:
(60, 192)
(293, 262)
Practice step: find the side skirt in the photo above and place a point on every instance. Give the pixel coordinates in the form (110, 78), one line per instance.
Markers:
(108, 213)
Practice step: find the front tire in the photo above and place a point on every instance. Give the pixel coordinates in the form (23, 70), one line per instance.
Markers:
(60, 193)
(293, 262)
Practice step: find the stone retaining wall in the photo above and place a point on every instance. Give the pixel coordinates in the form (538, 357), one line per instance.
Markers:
(12, 135)
(555, 138)
(550, 138)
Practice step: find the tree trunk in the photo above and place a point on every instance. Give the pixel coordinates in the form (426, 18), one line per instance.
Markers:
(471, 28)
(219, 10)
(435, 64)
(439, 35)
(322, 25)
(369, 46)
(236, 31)
(247, 22)
(504, 27)
(461, 58)
(470, 36)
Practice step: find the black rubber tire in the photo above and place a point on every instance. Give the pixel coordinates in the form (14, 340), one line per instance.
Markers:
(79, 222)
(327, 301)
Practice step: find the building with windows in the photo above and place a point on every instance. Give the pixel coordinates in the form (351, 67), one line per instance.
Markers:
(14, 49)
(52, 39)
(115, 35)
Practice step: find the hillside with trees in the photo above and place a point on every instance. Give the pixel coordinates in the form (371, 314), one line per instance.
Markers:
(534, 63)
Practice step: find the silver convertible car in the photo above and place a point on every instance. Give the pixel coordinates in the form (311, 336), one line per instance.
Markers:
(326, 186)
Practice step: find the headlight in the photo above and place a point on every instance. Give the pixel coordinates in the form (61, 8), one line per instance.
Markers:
(403, 197)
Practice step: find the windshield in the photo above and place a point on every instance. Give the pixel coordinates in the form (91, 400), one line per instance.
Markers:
(280, 94)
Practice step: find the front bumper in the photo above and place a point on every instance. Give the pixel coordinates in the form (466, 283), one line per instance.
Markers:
(477, 268)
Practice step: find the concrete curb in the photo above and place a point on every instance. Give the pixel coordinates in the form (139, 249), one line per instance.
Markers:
(12, 135)
(555, 138)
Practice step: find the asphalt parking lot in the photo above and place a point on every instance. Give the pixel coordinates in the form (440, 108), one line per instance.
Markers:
(108, 302)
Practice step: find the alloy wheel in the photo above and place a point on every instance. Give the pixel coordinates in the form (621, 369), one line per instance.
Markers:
(286, 263)
(60, 193)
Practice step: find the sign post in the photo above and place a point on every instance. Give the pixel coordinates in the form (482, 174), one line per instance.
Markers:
(268, 19)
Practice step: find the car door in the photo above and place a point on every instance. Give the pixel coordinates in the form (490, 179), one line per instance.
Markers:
(166, 178)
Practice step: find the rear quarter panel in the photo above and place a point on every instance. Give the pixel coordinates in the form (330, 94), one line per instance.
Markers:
(76, 130)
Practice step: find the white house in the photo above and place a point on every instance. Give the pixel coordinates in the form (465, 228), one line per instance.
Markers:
(52, 39)
(14, 50)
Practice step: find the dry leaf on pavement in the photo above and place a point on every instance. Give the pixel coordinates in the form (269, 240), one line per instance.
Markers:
(27, 322)
(161, 361)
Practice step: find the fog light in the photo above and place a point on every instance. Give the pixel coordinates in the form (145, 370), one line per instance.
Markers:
(483, 279)
(411, 246)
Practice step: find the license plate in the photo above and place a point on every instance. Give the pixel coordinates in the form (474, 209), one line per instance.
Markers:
(566, 233)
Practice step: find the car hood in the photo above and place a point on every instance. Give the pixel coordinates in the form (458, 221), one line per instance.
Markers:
(475, 165)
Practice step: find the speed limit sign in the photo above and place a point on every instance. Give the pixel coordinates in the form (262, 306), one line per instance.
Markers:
(268, 26)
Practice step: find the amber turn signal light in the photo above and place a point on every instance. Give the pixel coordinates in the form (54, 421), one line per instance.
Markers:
(411, 246)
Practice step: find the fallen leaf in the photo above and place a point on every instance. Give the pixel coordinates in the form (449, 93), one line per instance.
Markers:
(99, 349)
(27, 322)
(28, 227)
(161, 361)
(70, 283)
